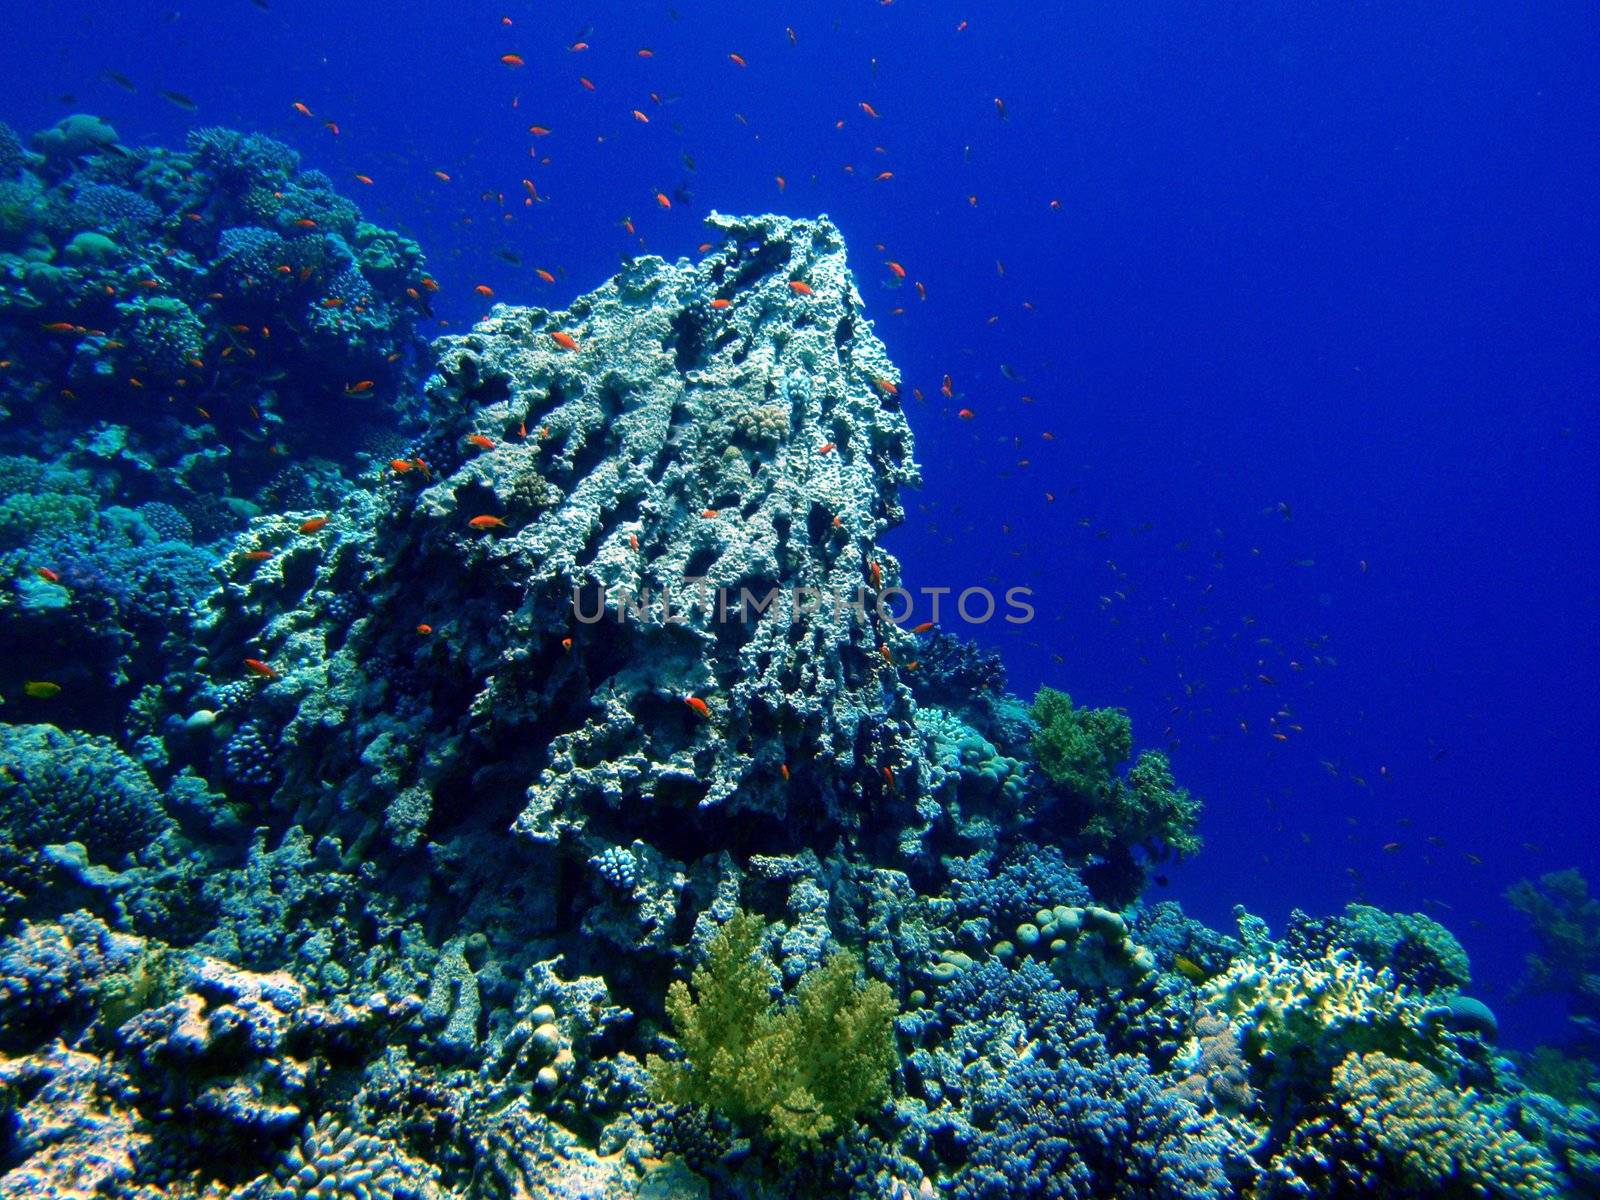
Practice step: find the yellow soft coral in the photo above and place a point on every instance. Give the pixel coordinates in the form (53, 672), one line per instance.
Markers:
(800, 1068)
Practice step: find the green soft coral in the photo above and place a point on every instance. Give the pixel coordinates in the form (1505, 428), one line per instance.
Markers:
(1082, 750)
(800, 1068)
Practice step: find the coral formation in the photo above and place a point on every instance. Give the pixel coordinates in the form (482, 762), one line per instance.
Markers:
(396, 831)
(801, 1068)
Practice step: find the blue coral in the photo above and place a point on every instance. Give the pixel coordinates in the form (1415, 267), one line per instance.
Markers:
(51, 974)
(247, 758)
(114, 211)
(58, 786)
(1027, 1085)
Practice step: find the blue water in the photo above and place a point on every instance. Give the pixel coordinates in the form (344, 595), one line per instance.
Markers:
(1313, 328)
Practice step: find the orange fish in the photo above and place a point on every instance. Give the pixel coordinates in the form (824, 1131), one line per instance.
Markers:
(258, 555)
(544, 275)
(922, 628)
(487, 522)
(800, 287)
(1000, 107)
(783, 769)
(720, 302)
(262, 669)
(424, 629)
(314, 524)
(46, 574)
(882, 176)
(966, 414)
(363, 385)
(564, 339)
(400, 465)
(699, 705)
(886, 386)
(782, 182)
(484, 290)
(645, 52)
(332, 127)
(662, 200)
(539, 130)
(633, 541)
(60, 327)
(441, 177)
(301, 109)
(577, 47)
(566, 644)
(948, 387)
(478, 440)
(588, 84)
(899, 271)
(869, 110)
(709, 514)
(825, 448)
(640, 117)
(737, 60)
(875, 573)
(888, 776)
(304, 223)
(366, 179)
(512, 60)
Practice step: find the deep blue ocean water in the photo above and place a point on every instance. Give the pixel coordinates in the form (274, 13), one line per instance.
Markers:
(1303, 294)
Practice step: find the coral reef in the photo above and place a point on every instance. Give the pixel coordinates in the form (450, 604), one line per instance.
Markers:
(224, 309)
(559, 810)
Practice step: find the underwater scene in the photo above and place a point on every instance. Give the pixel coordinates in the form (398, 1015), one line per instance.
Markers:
(861, 599)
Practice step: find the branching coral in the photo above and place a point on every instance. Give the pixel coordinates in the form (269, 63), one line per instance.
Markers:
(1395, 1129)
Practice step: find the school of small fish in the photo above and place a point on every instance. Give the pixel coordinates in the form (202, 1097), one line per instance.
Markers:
(983, 401)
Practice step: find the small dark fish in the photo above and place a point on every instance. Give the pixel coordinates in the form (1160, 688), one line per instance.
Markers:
(1010, 372)
(688, 162)
(118, 78)
(66, 98)
(262, 5)
(182, 101)
(509, 257)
